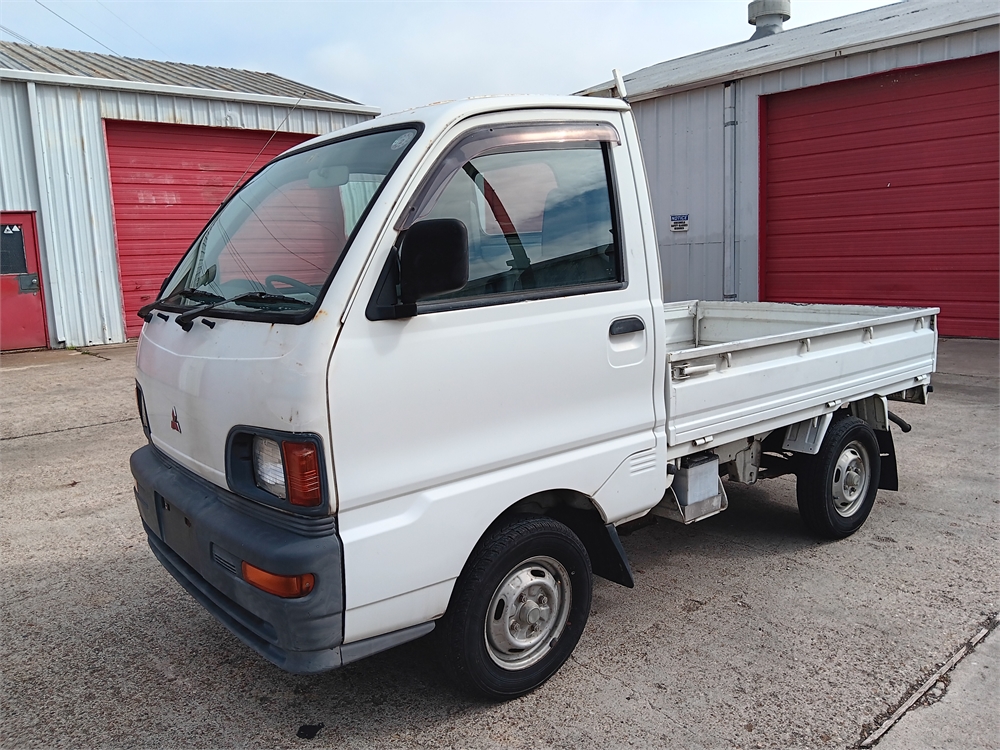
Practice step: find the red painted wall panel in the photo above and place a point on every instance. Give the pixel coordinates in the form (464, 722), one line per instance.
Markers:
(166, 182)
(886, 190)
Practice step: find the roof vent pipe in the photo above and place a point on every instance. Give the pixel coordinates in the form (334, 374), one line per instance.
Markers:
(768, 16)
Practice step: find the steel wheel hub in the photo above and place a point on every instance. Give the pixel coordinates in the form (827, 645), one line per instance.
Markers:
(528, 613)
(850, 479)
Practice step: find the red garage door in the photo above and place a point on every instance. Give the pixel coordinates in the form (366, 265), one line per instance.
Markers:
(166, 182)
(884, 190)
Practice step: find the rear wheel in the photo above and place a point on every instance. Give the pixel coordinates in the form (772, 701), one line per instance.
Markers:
(518, 608)
(836, 488)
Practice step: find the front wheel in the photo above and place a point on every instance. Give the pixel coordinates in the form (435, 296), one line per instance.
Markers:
(518, 608)
(836, 488)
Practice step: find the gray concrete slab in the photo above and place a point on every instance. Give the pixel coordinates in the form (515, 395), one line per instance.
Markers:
(44, 391)
(961, 711)
(742, 631)
(968, 357)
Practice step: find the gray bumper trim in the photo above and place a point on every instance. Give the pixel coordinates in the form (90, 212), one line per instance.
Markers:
(200, 533)
(298, 662)
(227, 611)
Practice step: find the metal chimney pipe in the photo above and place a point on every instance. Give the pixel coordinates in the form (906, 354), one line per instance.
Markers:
(768, 16)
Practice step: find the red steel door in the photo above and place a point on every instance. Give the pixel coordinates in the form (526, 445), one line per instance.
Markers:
(884, 190)
(22, 309)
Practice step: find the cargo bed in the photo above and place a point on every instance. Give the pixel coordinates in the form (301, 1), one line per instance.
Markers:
(736, 369)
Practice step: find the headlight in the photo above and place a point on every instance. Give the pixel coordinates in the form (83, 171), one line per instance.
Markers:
(268, 470)
(289, 470)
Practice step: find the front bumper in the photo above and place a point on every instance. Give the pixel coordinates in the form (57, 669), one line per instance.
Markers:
(202, 534)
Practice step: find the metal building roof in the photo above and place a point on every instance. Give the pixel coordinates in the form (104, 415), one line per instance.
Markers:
(62, 62)
(908, 21)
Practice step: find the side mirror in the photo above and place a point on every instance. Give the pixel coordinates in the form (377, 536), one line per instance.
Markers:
(433, 260)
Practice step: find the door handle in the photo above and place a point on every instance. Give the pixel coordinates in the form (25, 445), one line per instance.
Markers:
(27, 283)
(626, 325)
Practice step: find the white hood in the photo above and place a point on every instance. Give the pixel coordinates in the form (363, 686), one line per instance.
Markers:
(199, 384)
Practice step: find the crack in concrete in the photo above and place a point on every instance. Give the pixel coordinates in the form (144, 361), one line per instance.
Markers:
(917, 693)
(67, 429)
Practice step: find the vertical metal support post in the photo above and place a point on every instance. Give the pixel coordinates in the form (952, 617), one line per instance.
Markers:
(729, 247)
(52, 314)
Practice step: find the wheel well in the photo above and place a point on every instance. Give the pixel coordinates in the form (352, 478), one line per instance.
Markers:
(541, 503)
(579, 512)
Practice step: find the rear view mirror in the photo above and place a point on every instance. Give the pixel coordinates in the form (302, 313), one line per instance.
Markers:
(328, 177)
(433, 259)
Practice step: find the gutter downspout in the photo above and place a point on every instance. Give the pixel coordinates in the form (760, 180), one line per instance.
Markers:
(730, 246)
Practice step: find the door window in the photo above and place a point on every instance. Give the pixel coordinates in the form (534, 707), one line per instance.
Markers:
(12, 255)
(538, 220)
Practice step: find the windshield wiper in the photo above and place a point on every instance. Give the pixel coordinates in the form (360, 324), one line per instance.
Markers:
(247, 299)
(146, 311)
(198, 294)
(273, 301)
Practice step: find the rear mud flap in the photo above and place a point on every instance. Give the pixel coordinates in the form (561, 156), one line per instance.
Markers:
(889, 478)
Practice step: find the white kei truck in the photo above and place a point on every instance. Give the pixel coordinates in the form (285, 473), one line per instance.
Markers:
(413, 374)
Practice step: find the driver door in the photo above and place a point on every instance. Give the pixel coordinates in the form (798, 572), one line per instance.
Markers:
(519, 382)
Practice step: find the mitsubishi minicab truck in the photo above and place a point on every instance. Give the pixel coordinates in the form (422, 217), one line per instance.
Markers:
(413, 374)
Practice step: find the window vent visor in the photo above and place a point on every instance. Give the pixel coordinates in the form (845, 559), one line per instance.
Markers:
(486, 140)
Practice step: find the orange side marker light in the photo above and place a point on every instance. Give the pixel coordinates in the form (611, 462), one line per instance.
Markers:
(287, 587)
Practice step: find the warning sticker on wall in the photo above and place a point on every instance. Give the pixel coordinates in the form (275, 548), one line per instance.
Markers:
(679, 222)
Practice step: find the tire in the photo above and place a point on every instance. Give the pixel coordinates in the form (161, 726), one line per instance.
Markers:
(518, 608)
(836, 488)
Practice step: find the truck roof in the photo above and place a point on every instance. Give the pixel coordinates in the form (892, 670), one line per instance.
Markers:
(440, 116)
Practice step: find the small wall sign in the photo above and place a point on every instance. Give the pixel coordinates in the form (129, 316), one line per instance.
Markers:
(679, 222)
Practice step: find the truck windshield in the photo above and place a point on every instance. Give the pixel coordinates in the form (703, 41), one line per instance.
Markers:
(271, 249)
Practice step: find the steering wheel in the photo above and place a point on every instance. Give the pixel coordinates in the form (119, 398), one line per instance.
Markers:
(295, 284)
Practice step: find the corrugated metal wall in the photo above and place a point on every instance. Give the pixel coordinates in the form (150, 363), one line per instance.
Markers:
(18, 186)
(73, 196)
(126, 105)
(76, 212)
(683, 147)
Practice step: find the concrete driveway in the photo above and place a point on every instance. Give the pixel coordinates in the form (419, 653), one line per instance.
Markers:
(742, 632)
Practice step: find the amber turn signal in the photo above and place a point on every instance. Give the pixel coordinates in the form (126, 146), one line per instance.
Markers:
(302, 473)
(287, 587)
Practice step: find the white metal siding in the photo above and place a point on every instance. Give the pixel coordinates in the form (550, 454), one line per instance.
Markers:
(682, 146)
(76, 209)
(74, 202)
(18, 186)
(128, 105)
(685, 158)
